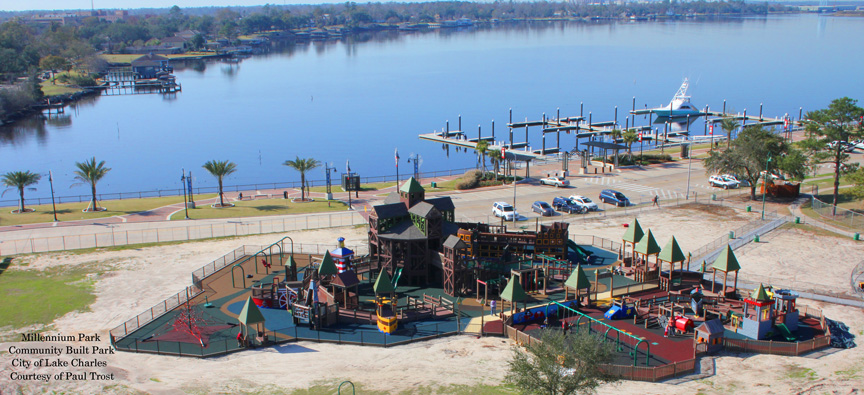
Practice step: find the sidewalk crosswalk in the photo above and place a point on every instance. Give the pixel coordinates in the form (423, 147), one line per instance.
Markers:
(642, 189)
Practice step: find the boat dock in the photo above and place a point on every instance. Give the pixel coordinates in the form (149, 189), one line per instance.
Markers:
(122, 80)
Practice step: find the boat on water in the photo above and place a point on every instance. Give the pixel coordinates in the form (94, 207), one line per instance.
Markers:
(680, 105)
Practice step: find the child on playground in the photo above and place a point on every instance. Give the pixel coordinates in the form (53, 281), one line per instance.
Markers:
(492, 306)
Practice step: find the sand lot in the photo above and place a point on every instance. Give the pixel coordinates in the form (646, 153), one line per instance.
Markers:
(136, 279)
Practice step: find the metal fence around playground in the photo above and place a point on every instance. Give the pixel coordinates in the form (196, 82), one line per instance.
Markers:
(626, 372)
(843, 217)
(225, 189)
(736, 238)
(244, 227)
(228, 344)
(191, 292)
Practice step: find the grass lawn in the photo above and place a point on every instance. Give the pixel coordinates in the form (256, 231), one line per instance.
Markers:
(847, 201)
(39, 297)
(49, 89)
(128, 58)
(336, 188)
(257, 208)
(72, 211)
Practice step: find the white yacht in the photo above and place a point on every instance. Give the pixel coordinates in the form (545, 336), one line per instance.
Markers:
(680, 105)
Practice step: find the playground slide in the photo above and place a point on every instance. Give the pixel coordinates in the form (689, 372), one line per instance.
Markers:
(581, 253)
(396, 277)
(786, 333)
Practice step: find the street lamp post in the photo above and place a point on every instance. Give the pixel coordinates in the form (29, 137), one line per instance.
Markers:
(53, 205)
(689, 163)
(765, 185)
(183, 181)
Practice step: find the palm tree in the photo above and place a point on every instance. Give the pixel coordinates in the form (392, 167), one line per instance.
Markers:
(728, 125)
(90, 172)
(629, 138)
(482, 148)
(302, 165)
(220, 169)
(20, 180)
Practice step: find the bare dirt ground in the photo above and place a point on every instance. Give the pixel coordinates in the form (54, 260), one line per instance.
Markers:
(134, 280)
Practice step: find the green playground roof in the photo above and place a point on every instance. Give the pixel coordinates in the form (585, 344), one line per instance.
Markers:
(513, 292)
(672, 252)
(327, 265)
(411, 186)
(578, 279)
(726, 261)
(250, 313)
(759, 294)
(291, 261)
(634, 232)
(382, 284)
(648, 245)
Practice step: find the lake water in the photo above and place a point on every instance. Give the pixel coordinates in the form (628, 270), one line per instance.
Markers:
(338, 101)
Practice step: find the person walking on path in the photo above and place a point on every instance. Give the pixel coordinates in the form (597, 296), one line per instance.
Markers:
(655, 201)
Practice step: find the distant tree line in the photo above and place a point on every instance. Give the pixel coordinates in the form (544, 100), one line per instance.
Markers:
(28, 48)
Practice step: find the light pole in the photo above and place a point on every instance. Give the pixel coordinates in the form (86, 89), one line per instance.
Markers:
(183, 182)
(53, 205)
(764, 185)
(689, 163)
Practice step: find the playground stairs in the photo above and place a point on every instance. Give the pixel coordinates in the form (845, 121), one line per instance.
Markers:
(647, 316)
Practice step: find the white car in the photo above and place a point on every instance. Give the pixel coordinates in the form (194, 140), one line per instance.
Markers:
(559, 182)
(584, 202)
(504, 210)
(723, 182)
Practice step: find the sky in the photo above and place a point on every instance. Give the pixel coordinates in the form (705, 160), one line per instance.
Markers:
(23, 5)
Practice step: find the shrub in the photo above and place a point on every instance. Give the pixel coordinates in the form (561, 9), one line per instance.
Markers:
(469, 180)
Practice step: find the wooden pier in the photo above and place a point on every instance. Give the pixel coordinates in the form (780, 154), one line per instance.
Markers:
(122, 81)
(580, 127)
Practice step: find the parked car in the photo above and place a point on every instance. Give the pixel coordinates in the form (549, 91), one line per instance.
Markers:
(542, 208)
(614, 197)
(559, 182)
(742, 182)
(504, 210)
(584, 202)
(565, 205)
(722, 182)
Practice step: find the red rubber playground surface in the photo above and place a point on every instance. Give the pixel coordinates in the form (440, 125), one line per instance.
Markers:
(675, 348)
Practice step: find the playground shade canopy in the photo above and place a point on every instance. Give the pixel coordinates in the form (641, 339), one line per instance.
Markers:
(648, 245)
(382, 284)
(578, 279)
(250, 313)
(726, 261)
(513, 292)
(634, 232)
(672, 252)
(327, 265)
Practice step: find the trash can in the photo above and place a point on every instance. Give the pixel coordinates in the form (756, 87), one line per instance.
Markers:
(731, 234)
(856, 236)
(749, 209)
(756, 239)
(190, 204)
(434, 184)
(797, 220)
(285, 194)
(713, 196)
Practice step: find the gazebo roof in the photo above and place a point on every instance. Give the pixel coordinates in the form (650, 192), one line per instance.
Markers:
(578, 279)
(513, 292)
(760, 295)
(711, 327)
(342, 252)
(382, 284)
(346, 279)
(411, 186)
(672, 252)
(327, 266)
(634, 232)
(726, 261)
(250, 313)
(455, 242)
(648, 245)
(291, 261)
